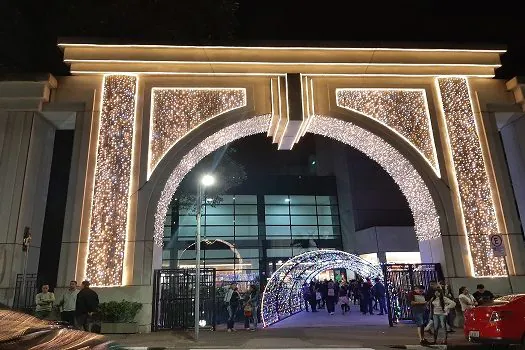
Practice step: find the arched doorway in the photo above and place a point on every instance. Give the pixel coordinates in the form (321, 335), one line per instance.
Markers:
(418, 194)
(282, 295)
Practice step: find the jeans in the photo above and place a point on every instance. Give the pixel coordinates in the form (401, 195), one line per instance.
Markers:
(440, 322)
(306, 303)
(382, 305)
(251, 319)
(232, 311)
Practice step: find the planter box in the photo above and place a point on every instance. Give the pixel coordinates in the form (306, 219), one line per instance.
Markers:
(119, 328)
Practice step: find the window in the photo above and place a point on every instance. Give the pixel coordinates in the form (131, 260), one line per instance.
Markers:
(277, 210)
(276, 199)
(277, 220)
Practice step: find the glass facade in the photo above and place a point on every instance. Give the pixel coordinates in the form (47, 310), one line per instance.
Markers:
(247, 237)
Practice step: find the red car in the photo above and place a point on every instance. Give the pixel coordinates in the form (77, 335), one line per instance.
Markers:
(503, 321)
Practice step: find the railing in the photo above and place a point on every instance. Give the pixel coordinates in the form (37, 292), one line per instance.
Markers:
(173, 299)
(25, 296)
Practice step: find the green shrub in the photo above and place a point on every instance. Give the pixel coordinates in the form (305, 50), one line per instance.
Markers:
(119, 311)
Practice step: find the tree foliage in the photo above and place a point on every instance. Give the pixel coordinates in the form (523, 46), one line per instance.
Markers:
(228, 173)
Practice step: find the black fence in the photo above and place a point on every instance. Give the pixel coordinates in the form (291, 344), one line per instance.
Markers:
(25, 297)
(400, 280)
(173, 299)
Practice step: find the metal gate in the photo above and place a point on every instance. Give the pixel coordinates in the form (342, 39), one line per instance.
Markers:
(173, 298)
(400, 280)
(24, 299)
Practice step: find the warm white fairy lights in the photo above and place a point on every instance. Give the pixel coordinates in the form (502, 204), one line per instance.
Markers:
(108, 226)
(472, 179)
(176, 111)
(426, 219)
(404, 111)
(221, 138)
(282, 295)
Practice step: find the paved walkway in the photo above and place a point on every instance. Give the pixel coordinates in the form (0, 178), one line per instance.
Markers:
(304, 330)
(324, 319)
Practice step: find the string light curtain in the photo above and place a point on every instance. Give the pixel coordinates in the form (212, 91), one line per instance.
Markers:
(404, 111)
(282, 296)
(177, 111)
(473, 186)
(413, 187)
(108, 226)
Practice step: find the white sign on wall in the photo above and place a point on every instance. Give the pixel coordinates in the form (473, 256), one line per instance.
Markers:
(496, 243)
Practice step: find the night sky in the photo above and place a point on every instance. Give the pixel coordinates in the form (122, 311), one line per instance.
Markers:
(30, 30)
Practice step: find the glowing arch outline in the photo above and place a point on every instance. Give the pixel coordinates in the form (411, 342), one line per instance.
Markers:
(282, 295)
(410, 182)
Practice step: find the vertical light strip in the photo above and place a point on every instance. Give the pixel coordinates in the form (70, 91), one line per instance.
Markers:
(109, 211)
(473, 185)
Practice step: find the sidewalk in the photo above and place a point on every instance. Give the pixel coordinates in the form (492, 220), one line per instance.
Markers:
(375, 337)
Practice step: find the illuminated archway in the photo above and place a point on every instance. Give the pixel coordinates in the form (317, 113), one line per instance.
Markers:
(403, 172)
(282, 295)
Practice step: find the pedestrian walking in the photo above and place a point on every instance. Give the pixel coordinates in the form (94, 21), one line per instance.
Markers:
(440, 307)
(380, 294)
(330, 297)
(232, 300)
(418, 305)
(251, 305)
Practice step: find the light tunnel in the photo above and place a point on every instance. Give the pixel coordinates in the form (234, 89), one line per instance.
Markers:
(282, 296)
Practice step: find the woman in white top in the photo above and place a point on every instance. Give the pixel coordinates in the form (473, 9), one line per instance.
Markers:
(440, 306)
(466, 299)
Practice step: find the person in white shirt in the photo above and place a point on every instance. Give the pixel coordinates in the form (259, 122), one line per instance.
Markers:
(68, 303)
(440, 307)
(44, 302)
(466, 299)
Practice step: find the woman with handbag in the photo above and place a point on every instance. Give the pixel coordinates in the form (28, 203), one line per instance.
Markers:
(251, 303)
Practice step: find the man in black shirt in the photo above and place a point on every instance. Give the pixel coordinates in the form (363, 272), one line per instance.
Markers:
(483, 296)
(87, 306)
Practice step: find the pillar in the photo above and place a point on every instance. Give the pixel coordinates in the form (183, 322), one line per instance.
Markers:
(26, 150)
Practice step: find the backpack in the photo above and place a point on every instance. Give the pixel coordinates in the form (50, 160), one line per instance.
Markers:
(331, 292)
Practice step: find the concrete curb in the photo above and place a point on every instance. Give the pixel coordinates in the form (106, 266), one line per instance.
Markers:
(459, 347)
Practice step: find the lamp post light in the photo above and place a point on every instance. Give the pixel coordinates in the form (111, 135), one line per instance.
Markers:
(206, 181)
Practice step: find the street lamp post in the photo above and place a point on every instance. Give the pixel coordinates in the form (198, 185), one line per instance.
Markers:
(205, 181)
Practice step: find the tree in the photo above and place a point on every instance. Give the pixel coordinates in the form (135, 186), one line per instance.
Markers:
(228, 173)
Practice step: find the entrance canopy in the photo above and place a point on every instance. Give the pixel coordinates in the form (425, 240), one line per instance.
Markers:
(282, 295)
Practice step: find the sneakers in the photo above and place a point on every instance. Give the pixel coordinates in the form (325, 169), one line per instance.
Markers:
(424, 342)
(230, 330)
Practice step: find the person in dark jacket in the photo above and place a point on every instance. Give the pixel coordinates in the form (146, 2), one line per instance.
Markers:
(87, 306)
(380, 294)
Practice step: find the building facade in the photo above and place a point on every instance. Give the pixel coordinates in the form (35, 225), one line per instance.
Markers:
(144, 116)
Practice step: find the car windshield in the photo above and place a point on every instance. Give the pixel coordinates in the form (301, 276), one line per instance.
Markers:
(508, 298)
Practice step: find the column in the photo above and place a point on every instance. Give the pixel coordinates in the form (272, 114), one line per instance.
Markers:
(26, 149)
(112, 181)
(470, 175)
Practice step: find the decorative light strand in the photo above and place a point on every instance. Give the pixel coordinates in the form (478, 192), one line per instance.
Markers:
(426, 220)
(108, 226)
(404, 111)
(282, 295)
(176, 111)
(221, 138)
(473, 184)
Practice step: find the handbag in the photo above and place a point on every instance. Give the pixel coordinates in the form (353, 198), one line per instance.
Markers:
(248, 310)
